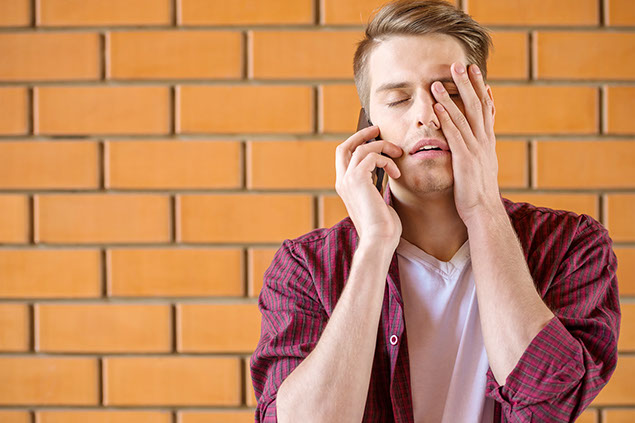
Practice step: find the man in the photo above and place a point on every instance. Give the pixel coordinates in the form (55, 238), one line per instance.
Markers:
(442, 301)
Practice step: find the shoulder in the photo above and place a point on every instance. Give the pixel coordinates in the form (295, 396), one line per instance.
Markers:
(341, 237)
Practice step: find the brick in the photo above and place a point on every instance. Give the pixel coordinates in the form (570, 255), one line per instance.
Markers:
(277, 12)
(175, 54)
(15, 416)
(250, 395)
(171, 381)
(625, 270)
(173, 164)
(620, 13)
(63, 328)
(224, 109)
(534, 12)
(16, 327)
(178, 272)
(48, 381)
(104, 416)
(618, 416)
(96, 218)
(588, 416)
(103, 110)
(620, 212)
(105, 12)
(216, 416)
(512, 163)
(14, 110)
(620, 101)
(521, 109)
(49, 56)
(626, 340)
(620, 389)
(218, 327)
(15, 13)
(308, 164)
(258, 260)
(509, 58)
(54, 273)
(231, 217)
(14, 219)
(303, 54)
(49, 165)
(339, 108)
(585, 55)
(577, 203)
(595, 164)
(332, 210)
(348, 12)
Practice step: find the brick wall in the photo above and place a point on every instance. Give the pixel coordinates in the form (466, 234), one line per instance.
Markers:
(155, 153)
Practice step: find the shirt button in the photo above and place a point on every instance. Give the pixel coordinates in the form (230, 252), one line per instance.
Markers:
(394, 339)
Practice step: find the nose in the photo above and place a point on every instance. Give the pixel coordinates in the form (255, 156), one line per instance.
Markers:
(424, 111)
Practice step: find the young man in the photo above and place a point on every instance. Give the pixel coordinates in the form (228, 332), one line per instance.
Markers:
(441, 301)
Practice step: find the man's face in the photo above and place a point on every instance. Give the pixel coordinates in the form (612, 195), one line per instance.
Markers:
(417, 61)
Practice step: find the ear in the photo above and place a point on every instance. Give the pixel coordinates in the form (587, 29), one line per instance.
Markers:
(491, 96)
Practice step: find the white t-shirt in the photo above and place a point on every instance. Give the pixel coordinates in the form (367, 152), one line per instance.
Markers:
(448, 360)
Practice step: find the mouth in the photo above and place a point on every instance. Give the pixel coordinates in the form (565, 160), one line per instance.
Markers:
(428, 145)
(429, 154)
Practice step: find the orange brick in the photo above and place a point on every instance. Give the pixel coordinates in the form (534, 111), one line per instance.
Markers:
(63, 328)
(618, 416)
(348, 12)
(104, 416)
(625, 270)
(204, 12)
(589, 164)
(14, 219)
(534, 12)
(291, 164)
(512, 163)
(620, 212)
(175, 54)
(332, 210)
(13, 110)
(172, 381)
(218, 327)
(175, 272)
(626, 340)
(588, 416)
(620, 101)
(339, 108)
(621, 12)
(173, 164)
(15, 416)
(216, 416)
(521, 109)
(620, 389)
(102, 110)
(259, 260)
(105, 12)
(49, 164)
(249, 394)
(16, 328)
(303, 54)
(94, 218)
(50, 273)
(509, 56)
(585, 55)
(48, 381)
(225, 109)
(577, 203)
(244, 218)
(49, 56)
(15, 13)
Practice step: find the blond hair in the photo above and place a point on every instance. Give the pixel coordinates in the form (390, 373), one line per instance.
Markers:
(417, 17)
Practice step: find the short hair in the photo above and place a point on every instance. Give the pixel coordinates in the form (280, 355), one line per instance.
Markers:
(419, 17)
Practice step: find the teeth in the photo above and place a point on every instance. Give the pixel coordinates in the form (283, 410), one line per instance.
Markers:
(429, 147)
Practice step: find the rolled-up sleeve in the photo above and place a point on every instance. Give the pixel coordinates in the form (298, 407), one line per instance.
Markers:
(573, 357)
(292, 321)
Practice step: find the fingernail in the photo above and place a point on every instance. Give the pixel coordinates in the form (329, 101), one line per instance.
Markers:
(475, 69)
(439, 87)
(459, 68)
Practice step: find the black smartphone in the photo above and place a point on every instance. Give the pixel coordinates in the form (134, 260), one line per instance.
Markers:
(378, 173)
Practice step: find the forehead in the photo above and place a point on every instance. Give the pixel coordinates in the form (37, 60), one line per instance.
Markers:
(414, 58)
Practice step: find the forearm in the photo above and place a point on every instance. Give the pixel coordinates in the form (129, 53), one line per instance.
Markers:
(511, 310)
(331, 384)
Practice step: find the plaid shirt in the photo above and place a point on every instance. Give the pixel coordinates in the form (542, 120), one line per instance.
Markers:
(565, 366)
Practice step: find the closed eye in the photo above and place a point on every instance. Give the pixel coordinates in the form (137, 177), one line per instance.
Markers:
(458, 95)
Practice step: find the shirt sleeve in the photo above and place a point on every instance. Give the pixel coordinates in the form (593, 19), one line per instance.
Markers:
(573, 357)
(292, 321)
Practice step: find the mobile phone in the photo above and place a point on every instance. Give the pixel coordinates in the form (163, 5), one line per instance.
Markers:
(378, 173)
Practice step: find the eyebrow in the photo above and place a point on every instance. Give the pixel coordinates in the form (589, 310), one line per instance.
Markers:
(402, 84)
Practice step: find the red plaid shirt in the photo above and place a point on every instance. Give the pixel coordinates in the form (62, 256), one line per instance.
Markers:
(565, 366)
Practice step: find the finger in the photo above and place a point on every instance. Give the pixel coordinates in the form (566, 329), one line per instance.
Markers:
(373, 160)
(454, 114)
(472, 102)
(379, 146)
(486, 102)
(344, 151)
(451, 132)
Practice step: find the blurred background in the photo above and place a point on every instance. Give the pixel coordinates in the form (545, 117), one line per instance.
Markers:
(154, 154)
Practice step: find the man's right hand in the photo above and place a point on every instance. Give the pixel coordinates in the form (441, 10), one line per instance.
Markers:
(355, 160)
